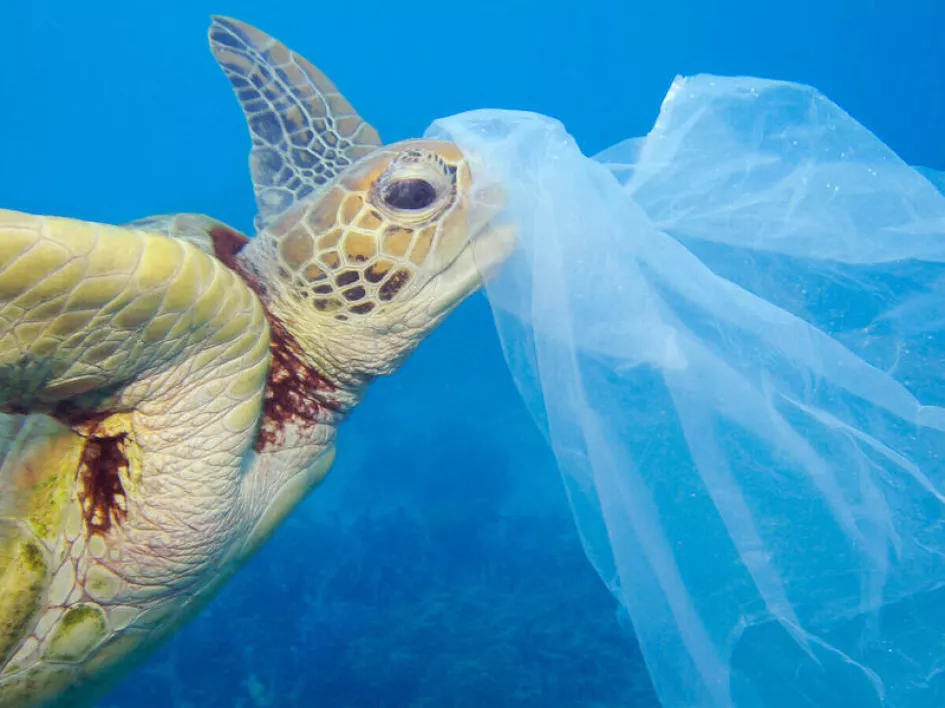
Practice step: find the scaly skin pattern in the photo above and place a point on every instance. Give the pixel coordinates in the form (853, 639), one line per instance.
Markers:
(304, 132)
(162, 408)
(170, 390)
(143, 364)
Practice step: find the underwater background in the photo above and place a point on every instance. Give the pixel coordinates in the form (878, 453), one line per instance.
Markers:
(438, 565)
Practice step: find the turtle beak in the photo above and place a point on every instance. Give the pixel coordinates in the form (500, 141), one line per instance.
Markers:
(477, 263)
(490, 245)
(491, 241)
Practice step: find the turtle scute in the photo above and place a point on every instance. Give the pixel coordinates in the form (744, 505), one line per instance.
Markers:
(24, 575)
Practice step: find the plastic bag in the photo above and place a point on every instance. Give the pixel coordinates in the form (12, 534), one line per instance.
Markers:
(732, 333)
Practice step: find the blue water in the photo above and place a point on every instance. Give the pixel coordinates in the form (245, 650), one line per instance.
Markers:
(438, 565)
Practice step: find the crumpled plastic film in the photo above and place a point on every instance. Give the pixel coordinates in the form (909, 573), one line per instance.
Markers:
(732, 331)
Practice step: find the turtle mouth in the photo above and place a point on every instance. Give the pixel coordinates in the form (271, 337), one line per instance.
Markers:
(490, 240)
(489, 245)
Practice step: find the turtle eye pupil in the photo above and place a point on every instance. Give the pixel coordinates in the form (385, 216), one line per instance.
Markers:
(410, 194)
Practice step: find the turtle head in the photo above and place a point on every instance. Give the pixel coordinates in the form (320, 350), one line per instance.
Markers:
(363, 271)
(362, 249)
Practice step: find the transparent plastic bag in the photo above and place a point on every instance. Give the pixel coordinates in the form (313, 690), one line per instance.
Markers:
(731, 333)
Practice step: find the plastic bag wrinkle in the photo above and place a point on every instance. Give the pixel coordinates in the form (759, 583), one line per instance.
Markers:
(730, 332)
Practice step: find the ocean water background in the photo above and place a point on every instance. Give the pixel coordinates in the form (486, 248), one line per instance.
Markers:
(437, 565)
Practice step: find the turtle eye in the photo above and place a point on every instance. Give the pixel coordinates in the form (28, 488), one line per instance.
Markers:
(410, 194)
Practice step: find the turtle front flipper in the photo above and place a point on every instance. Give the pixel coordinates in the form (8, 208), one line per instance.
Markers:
(132, 375)
(91, 314)
(304, 132)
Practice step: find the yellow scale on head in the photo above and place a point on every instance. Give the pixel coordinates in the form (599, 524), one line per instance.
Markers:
(360, 244)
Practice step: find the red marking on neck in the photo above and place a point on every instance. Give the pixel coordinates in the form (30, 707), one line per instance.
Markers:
(101, 462)
(226, 244)
(103, 458)
(295, 391)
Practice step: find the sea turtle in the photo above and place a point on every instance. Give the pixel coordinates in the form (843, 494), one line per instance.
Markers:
(171, 389)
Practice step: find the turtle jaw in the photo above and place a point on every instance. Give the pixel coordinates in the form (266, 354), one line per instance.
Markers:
(482, 257)
(488, 244)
